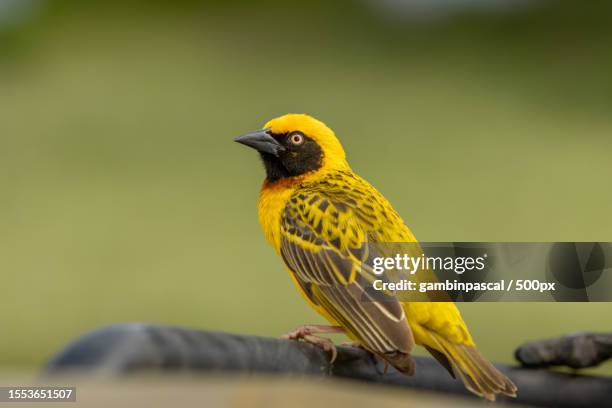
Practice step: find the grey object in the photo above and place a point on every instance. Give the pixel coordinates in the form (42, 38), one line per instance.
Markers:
(132, 348)
(576, 350)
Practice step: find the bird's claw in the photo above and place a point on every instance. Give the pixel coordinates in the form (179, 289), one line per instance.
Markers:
(324, 343)
(306, 333)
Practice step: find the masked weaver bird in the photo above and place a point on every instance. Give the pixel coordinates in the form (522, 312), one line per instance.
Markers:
(317, 214)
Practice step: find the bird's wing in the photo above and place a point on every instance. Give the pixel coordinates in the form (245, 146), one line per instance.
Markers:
(326, 225)
(324, 242)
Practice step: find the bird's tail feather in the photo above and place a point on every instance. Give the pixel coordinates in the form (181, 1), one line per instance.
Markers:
(478, 375)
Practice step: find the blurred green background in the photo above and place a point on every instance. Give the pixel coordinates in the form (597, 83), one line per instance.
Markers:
(123, 197)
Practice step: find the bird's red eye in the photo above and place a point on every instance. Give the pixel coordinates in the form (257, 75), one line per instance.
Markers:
(296, 138)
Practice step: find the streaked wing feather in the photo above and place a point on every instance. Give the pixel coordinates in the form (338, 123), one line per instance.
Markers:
(325, 246)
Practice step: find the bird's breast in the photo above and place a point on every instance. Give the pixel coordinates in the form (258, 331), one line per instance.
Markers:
(272, 200)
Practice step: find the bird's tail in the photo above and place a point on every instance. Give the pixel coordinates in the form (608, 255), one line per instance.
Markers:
(478, 375)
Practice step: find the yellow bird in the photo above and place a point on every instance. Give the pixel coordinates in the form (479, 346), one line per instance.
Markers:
(318, 214)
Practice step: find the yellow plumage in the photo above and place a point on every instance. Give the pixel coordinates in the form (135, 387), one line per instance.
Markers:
(318, 218)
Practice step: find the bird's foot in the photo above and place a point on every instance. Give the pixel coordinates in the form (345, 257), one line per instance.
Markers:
(386, 366)
(307, 333)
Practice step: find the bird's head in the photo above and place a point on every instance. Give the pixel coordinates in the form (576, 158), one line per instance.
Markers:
(293, 145)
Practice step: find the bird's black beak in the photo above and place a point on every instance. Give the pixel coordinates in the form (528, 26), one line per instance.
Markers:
(261, 141)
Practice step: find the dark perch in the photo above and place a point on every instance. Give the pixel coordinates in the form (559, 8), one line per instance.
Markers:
(126, 349)
(576, 350)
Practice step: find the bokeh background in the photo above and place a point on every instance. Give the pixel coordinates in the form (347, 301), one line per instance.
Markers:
(123, 197)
